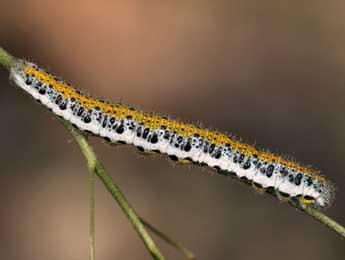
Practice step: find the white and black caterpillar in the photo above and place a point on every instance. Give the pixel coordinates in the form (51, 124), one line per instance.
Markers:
(182, 142)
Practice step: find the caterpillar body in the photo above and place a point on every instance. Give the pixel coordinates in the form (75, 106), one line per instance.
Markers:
(182, 142)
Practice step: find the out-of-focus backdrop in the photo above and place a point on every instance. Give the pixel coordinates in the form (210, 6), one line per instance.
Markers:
(271, 72)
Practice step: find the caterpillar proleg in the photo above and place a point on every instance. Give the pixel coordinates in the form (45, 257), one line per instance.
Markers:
(182, 142)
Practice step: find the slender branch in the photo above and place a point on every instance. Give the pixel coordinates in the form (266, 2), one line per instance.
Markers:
(95, 166)
(6, 59)
(186, 252)
(91, 184)
(321, 217)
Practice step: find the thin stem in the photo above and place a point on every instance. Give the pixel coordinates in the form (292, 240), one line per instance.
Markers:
(95, 166)
(186, 252)
(91, 184)
(6, 59)
(321, 217)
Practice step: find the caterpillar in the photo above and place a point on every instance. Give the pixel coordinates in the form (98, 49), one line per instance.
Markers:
(182, 142)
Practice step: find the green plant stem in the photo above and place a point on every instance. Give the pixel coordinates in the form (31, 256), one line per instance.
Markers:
(186, 252)
(7, 61)
(321, 217)
(91, 184)
(95, 166)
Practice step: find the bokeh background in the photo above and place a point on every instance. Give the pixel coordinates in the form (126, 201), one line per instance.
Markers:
(271, 72)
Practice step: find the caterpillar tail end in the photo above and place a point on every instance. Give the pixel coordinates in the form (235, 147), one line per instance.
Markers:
(326, 198)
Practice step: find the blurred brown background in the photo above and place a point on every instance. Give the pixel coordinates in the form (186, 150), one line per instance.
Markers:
(271, 72)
